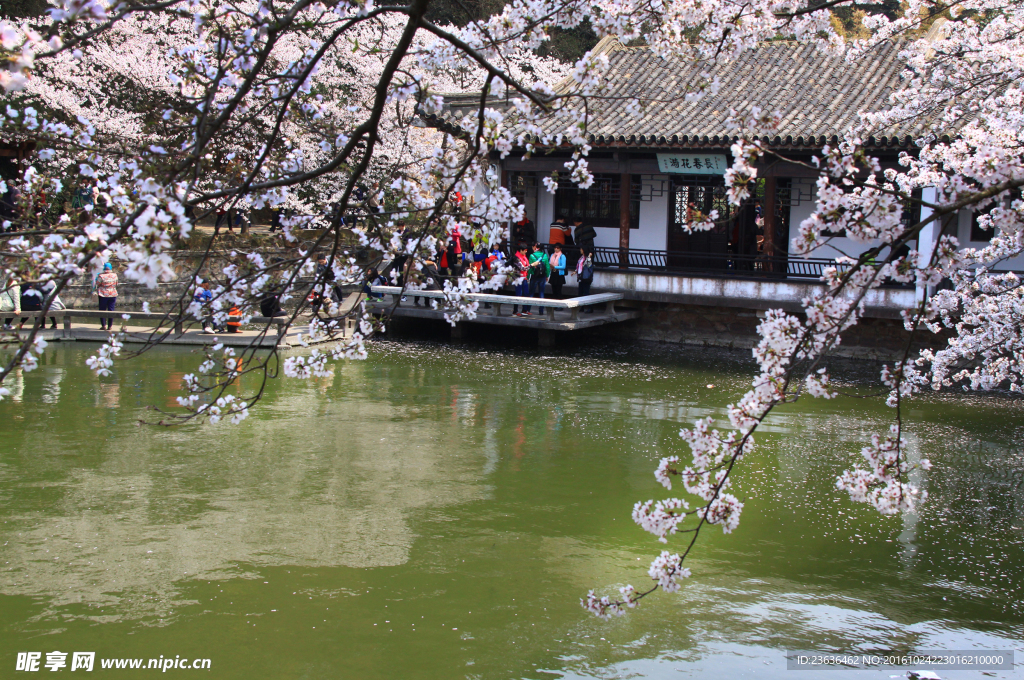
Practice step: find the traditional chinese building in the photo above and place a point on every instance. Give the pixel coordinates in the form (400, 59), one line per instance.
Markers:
(654, 171)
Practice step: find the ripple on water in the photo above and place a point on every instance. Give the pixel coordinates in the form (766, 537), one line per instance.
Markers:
(431, 482)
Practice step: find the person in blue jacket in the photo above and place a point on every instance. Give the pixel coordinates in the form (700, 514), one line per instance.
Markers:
(557, 272)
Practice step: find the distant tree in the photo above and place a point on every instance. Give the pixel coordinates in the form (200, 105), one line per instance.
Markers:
(569, 45)
(22, 9)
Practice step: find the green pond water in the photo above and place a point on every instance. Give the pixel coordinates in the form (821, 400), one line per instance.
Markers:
(437, 512)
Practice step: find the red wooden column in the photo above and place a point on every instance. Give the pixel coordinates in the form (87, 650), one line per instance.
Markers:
(769, 219)
(625, 192)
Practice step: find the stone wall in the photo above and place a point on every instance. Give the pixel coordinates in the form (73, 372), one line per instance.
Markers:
(129, 296)
(735, 328)
(744, 293)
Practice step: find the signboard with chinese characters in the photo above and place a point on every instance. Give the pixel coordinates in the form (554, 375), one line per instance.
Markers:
(692, 163)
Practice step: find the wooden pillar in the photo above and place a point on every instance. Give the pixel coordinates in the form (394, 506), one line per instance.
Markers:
(625, 194)
(769, 219)
(546, 337)
(508, 225)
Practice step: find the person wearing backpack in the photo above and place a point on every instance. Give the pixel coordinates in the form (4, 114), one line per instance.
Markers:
(540, 270)
(585, 274)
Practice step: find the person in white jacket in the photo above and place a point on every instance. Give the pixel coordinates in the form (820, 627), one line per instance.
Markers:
(10, 300)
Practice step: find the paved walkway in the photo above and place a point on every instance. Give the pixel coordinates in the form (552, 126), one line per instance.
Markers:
(138, 334)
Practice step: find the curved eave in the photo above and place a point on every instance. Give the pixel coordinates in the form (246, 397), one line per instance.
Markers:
(439, 123)
(896, 141)
(724, 141)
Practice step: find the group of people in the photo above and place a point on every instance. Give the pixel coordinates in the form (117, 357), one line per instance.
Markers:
(204, 296)
(538, 268)
(559, 233)
(16, 298)
(531, 264)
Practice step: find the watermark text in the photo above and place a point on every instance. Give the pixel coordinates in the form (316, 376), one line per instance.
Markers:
(86, 661)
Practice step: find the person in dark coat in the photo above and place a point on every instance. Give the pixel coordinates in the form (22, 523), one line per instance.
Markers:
(324, 286)
(31, 301)
(9, 207)
(398, 265)
(270, 306)
(431, 277)
(585, 235)
(373, 278)
(523, 231)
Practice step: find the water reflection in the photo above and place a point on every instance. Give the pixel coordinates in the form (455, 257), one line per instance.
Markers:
(52, 377)
(470, 498)
(152, 513)
(15, 383)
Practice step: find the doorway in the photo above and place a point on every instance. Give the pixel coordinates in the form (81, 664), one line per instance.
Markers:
(691, 200)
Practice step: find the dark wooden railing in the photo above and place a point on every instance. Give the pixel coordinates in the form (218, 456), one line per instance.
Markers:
(720, 264)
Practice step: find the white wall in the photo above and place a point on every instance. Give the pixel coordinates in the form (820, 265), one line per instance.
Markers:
(653, 231)
(802, 211)
(607, 237)
(964, 236)
(750, 291)
(545, 211)
(838, 245)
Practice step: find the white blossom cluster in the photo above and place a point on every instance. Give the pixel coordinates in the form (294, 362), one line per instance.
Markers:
(101, 362)
(882, 484)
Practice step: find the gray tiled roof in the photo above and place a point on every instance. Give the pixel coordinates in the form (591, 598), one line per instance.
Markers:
(819, 96)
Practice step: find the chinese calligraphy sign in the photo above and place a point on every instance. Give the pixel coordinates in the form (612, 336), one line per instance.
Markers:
(692, 163)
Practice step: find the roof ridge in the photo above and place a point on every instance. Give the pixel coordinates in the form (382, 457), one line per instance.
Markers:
(761, 43)
(607, 45)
